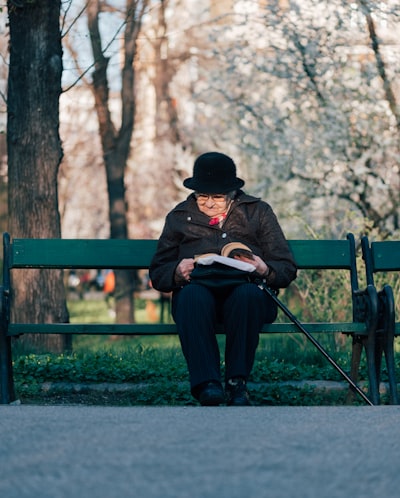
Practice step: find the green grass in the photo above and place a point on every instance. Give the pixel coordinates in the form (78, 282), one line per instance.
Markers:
(156, 365)
(97, 311)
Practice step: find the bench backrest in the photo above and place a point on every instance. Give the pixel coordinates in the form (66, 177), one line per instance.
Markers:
(385, 256)
(82, 253)
(115, 253)
(380, 256)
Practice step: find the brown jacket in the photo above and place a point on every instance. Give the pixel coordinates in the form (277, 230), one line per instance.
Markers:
(250, 220)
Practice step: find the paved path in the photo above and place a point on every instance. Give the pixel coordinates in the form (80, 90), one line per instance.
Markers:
(194, 452)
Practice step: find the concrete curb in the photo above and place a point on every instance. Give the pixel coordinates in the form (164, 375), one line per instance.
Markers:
(126, 387)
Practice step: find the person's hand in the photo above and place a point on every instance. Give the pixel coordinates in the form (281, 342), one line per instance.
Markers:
(261, 267)
(184, 269)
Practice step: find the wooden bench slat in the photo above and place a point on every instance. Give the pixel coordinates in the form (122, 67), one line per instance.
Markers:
(385, 256)
(169, 328)
(321, 254)
(86, 253)
(116, 253)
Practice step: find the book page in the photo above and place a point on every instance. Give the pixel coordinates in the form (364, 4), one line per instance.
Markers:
(234, 263)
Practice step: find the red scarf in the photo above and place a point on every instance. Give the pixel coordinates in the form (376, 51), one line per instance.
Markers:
(217, 219)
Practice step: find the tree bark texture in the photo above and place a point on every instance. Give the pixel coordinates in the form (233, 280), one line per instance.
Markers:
(34, 156)
(166, 119)
(116, 143)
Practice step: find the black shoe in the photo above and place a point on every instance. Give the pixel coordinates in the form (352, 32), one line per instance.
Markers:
(211, 394)
(236, 392)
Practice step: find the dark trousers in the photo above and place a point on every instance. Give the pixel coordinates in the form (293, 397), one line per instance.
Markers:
(196, 311)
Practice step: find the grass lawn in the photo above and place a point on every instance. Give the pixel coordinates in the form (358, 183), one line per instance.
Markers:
(155, 371)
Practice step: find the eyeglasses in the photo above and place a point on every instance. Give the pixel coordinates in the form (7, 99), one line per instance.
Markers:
(202, 198)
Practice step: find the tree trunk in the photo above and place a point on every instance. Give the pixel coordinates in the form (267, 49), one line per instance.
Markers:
(34, 156)
(166, 118)
(116, 144)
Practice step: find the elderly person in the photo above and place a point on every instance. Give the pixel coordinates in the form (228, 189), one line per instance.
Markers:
(216, 213)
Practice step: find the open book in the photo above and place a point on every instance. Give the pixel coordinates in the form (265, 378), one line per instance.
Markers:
(227, 257)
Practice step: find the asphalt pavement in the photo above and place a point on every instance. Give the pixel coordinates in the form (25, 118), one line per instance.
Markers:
(199, 452)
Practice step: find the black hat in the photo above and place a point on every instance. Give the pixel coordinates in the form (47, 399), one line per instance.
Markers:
(214, 173)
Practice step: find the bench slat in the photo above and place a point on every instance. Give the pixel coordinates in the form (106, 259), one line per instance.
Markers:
(83, 253)
(321, 254)
(385, 256)
(116, 253)
(169, 328)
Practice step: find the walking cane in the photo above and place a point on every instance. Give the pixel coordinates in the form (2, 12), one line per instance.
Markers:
(300, 326)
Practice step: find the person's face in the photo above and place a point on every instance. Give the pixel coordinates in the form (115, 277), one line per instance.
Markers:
(212, 204)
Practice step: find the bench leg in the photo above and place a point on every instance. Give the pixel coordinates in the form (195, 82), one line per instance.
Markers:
(369, 341)
(378, 355)
(390, 364)
(356, 352)
(360, 343)
(6, 373)
(371, 366)
(386, 296)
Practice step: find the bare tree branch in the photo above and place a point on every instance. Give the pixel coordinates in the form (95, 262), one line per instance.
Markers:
(309, 69)
(380, 63)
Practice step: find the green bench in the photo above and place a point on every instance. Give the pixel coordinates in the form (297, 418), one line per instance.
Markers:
(383, 257)
(137, 254)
